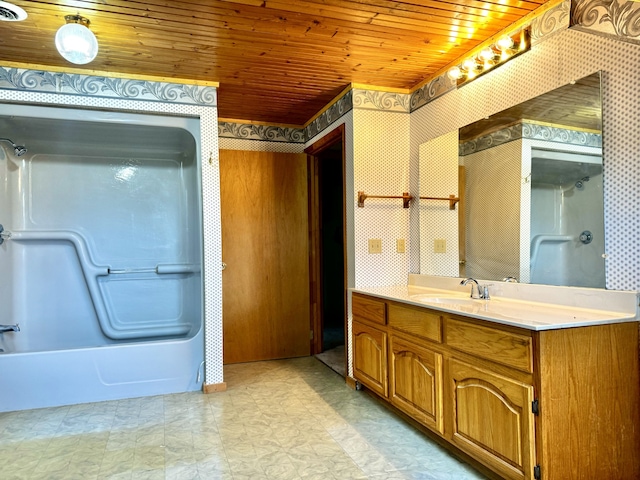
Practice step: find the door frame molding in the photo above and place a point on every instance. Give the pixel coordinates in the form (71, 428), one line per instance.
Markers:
(315, 252)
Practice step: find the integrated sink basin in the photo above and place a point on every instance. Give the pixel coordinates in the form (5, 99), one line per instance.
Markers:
(507, 311)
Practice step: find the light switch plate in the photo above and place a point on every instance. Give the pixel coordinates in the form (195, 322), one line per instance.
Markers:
(375, 245)
(440, 245)
(400, 245)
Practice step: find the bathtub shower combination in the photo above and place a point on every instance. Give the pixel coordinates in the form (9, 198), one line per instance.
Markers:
(100, 256)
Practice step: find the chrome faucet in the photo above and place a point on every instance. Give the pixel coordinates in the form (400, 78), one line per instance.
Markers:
(510, 279)
(477, 291)
(9, 328)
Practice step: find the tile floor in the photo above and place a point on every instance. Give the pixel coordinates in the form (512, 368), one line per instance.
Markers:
(289, 419)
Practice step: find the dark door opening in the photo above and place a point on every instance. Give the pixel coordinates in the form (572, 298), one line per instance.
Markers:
(328, 250)
(332, 247)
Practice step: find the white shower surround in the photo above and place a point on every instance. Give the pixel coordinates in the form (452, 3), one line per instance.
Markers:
(212, 243)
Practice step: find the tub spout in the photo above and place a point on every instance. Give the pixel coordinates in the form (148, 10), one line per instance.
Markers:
(9, 328)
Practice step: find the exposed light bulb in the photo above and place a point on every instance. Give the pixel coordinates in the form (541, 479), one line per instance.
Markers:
(486, 54)
(469, 65)
(454, 73)
(505, 43)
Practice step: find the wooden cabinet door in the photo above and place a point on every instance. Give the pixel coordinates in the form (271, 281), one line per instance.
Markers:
(493, 420)
(415, 382)
(370, 357)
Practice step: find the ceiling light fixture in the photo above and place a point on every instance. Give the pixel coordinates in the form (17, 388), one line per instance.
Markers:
(503, 50)
(75, 42)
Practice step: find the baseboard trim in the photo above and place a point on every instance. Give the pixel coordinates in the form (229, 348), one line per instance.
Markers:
(214, 387)
(351, 382)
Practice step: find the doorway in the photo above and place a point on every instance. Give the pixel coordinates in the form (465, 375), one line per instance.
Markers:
(328, 249)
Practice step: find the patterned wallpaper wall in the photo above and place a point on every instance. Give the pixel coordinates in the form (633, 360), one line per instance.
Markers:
(259, 145)
(381, 167)
(492, 211)
(439, 178)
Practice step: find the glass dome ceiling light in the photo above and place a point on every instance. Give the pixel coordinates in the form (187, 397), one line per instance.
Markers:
(75, 42)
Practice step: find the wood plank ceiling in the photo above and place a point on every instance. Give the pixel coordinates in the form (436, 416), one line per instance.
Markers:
(276, 61)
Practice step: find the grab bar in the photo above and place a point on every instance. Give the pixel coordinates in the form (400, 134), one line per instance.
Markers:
(160, 269)
(9, 328)
(91, 272)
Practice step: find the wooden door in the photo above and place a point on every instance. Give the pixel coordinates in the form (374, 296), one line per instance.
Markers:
(370, 357)
(493, 421)
(265, 248)
(415, 382)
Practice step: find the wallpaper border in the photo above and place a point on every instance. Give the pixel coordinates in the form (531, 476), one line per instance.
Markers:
(339, 108)
(265, 133)
(530, 131)
(615, 19)
(106, 87)
(379, 100)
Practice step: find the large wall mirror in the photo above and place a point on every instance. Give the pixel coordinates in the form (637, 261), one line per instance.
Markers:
(529, 181)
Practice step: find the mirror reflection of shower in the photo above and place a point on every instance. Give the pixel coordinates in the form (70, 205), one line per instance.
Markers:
(18, 150)
(567, 222)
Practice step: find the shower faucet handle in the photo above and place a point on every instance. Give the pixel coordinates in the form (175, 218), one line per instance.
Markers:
(585, 237)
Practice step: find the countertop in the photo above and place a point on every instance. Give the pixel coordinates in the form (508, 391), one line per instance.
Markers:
(517, 313)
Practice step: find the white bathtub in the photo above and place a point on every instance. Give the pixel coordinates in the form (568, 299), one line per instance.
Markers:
(101, 261)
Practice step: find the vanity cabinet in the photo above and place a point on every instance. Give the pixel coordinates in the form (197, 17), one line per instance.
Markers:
(552, 404)
(370, 343)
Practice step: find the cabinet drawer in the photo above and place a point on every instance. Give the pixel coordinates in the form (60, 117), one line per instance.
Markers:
(497, 345)
(367, 308)
(416, 321)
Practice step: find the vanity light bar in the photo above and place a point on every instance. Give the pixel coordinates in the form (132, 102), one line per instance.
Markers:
(496, 54)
